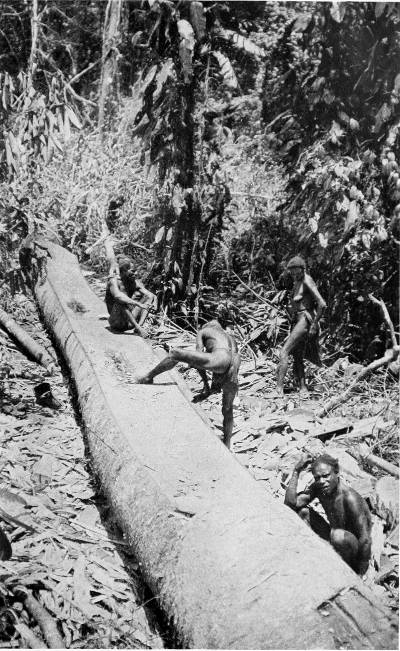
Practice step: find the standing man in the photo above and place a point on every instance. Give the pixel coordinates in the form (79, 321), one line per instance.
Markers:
(216, 351)
(128, 301)
(307, 306)
(348, 513)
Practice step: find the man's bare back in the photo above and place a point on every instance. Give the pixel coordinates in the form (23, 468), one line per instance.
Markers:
(216, 351)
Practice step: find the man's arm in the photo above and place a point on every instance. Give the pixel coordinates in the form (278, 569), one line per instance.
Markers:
(359, 516)
(120, 296)
(199, 342)
(145, 292)
(292, 499)
(318, 300)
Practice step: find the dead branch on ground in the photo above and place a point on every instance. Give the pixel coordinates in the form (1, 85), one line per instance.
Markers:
(46, 622)
(27, 344)
(390, 356)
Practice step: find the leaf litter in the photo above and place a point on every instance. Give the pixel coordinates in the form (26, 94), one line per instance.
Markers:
(66, 549)
(270, 434)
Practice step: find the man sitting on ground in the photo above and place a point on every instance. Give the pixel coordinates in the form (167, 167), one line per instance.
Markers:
(216, 351)
(348, 513)
(128, 301)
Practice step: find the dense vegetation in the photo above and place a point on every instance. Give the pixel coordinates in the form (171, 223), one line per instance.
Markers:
(221, 137)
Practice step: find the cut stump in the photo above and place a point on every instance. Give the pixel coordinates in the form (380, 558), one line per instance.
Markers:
(230, 565)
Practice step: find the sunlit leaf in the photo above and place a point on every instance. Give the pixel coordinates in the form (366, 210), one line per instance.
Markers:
(380, 8)
(73, 118)
(159, 235)
(337, 11)
(241, 42)
(352, 216)
(227, 70)
(323, 240)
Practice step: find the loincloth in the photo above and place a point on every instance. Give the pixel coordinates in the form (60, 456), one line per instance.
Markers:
(309, 345)
(228, 378)
(118, 319)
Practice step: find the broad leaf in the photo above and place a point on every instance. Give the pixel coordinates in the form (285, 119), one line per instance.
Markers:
(159, 235)
(227, 71)
(337, 11)
(352, 216)
(241, 42)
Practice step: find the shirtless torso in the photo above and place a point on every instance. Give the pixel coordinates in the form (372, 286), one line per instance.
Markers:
(217, 352)
(347, 512)
(306, 308)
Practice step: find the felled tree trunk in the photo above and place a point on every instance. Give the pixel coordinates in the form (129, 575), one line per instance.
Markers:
(230, 565)
(29, 346)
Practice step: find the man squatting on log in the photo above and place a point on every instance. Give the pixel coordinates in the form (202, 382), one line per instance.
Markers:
(348, 513)
(307, 306)
(128, 301)
(216, 351)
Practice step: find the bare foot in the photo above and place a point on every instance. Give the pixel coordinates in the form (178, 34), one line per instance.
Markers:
(144, 380)
(201, 396)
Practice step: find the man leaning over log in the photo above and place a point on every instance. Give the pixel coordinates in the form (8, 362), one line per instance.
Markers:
(128, 301)
(307, 306)
(216, 351)
(348, 513)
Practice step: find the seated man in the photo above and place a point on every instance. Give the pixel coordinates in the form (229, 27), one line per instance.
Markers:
(307, 306)
(128, 301)
(347, 512)
(216, 351)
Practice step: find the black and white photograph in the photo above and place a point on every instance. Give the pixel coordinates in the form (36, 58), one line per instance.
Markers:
(199, 324)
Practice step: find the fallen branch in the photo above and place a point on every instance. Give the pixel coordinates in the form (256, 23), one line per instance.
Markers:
(104, 236)
(261, 298)
(390, 356)
(363, 452)
(28, 345)
(31, 640)
(46, 622)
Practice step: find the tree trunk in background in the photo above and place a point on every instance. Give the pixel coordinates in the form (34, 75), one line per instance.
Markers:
(109, 69)
(34, 37)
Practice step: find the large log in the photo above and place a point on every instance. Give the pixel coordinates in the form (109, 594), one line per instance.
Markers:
(230, 565)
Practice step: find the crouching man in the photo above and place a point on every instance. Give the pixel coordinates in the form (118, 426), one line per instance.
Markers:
(348, 513)
(216, 351)
(128, 301)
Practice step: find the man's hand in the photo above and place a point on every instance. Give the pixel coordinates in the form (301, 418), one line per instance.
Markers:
(304, 461)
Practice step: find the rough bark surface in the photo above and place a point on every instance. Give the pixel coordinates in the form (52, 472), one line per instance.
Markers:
(231, 566)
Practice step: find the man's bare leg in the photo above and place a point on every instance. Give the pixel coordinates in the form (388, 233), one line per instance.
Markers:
(140, 313)
(206, 387)
(298, 368)
(134, 323)
(295, 339)
(228, 396)
(346, 544)
(197, 360)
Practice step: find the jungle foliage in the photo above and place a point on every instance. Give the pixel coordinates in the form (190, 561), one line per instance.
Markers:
(148, 112)
(331, 107)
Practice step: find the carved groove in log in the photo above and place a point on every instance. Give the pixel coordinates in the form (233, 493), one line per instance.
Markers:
(230, 565)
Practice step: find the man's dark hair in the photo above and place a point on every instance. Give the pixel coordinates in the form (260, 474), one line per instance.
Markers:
(297, 261)
(327, 459)
(124, 262)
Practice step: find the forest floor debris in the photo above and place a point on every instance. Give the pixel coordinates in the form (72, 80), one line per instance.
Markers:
(69, 558)
(271, 433)
(69, 554)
